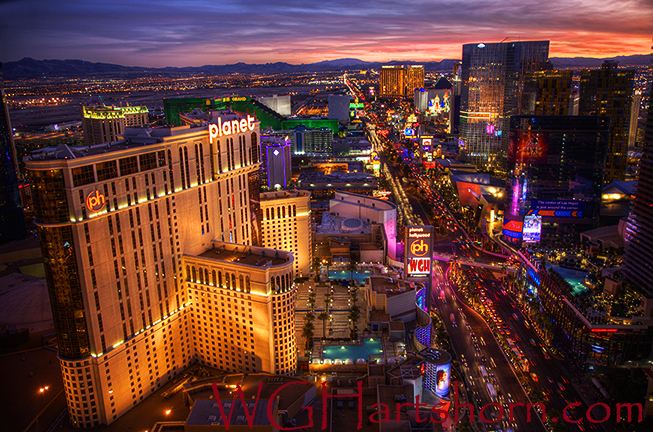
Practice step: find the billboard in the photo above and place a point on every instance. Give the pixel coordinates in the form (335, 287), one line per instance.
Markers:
(513, 228)
(437, 372)
(532, 229)
(557, 208)
(528, 147)
(419, 241)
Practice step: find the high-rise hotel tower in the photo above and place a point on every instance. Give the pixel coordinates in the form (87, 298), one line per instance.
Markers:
(152, 261)
(492, 85)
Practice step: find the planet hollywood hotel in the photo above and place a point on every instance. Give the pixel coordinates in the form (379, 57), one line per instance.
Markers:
(152, 261)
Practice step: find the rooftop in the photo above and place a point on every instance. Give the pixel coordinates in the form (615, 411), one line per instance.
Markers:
(294, 193)
(134, 137)
(247, 255)
(249, 383)
(207, 412)
(336, 177)
(332, 224)
(389, 286)
(362, 201)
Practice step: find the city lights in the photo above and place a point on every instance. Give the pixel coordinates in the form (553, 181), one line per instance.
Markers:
(442, 232)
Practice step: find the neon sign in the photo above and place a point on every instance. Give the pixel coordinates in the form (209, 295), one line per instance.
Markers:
(95, 201)
(419, 266)
(419, 248)
(230, 127)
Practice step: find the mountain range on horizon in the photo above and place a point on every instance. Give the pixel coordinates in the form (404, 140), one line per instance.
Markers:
(28, 68)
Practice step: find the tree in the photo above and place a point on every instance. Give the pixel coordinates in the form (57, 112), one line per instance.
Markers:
(323, 316)
(308, 330)
(351, 267)
(354, 315)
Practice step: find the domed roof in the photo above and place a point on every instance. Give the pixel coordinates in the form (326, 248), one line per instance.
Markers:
(352, 224)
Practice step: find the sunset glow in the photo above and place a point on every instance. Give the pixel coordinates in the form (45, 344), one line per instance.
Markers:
(199, 32)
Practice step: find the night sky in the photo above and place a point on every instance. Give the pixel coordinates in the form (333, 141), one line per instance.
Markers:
(160, 33)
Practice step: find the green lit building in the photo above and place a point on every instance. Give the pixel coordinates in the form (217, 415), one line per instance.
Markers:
(268, 117)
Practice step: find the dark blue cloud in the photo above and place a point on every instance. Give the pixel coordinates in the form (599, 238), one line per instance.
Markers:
(196, 32)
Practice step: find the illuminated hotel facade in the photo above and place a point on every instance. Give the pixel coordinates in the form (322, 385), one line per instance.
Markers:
(400, 81)
(104, 124)
(391, 81)
(150, 246)
(287, 225)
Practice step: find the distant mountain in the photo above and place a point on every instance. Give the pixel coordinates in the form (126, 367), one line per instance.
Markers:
(29, 68)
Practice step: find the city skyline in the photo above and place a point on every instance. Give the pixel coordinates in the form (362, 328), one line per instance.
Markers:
(180, 34)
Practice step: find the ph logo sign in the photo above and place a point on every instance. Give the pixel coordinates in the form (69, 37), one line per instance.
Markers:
(419, 248)
(95, 201)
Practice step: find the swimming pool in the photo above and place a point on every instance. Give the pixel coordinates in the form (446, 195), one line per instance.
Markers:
(371, 346)
(360, 276)
(576, 278)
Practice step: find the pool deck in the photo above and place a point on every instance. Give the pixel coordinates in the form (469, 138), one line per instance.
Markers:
(389, 347)
(574, 277)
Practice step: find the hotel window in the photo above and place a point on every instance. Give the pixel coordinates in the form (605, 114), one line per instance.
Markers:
(219, 156)
(106, 171)
(201, 159)
(181, 166)
(197, 165)
(128, 166)
(83, 175)
(170, 170)
(186, 166)
(147, 161)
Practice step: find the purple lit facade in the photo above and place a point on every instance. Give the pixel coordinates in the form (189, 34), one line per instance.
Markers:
(277, 168)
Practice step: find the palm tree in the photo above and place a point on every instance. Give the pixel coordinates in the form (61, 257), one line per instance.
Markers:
(307, 330)
(351, 267)
(323, 316)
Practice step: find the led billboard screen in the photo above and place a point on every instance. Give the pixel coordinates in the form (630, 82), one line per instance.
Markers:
(532, 229)
(513, 228)
(419, 241)
(437, 372)
(557, 208)
(528, 147)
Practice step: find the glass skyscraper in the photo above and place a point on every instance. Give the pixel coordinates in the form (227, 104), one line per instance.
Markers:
(609, 92)
(555, 173)
(492, 83)
(639, 234)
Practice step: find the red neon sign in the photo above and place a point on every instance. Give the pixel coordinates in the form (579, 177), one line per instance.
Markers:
(95, 201)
